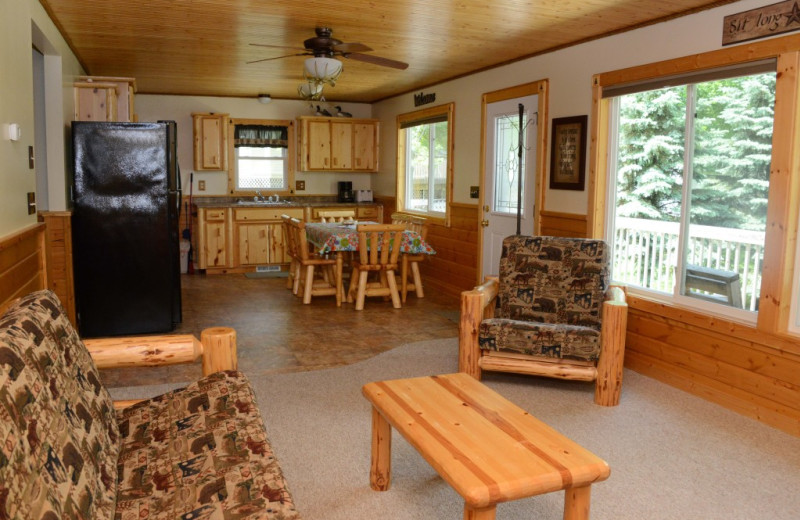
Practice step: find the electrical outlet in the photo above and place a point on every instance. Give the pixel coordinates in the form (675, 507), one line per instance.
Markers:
(201, 185)
(299, 185)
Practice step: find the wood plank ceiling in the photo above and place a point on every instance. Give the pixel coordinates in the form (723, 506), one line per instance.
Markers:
(201, 47)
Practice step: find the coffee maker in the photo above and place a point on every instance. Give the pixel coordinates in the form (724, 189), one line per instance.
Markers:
(346, 192)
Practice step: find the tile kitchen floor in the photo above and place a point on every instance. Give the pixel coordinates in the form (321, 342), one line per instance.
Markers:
(277, 333)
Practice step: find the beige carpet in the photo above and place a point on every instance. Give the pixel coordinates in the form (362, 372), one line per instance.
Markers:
(672, 455)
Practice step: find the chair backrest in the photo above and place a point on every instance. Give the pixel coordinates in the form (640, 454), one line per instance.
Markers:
(379, 244)
(289, 237)
(339, 215)
(412, 223)
(298, 228)
(552, 280)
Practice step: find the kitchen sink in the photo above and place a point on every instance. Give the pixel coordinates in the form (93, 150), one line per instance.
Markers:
(245, 202)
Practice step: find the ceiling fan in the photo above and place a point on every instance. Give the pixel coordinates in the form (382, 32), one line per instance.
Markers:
(324, 46)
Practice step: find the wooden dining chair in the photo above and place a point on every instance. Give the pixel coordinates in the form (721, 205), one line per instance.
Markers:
(378, 251)
(293, 280)
(420, 226)
(307, 279)
(344, 215)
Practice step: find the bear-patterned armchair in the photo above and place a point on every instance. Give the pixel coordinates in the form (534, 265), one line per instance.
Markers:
(550, 312)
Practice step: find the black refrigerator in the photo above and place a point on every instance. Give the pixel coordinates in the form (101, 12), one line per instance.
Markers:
(125, 240)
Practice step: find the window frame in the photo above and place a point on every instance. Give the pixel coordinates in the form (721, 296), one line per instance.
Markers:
(448, 111)
(778, 292)
(290, 156)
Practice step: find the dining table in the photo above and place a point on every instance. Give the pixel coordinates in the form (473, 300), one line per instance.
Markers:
(339, 237)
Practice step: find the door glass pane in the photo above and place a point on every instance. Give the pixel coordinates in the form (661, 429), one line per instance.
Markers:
(650, 158)
(730, 180)
(507, 164)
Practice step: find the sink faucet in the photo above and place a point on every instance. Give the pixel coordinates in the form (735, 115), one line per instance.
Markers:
(259, 197)
(277, 198)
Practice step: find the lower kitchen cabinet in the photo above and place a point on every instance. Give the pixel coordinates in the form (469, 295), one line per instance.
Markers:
(214, 238)
(259, 235)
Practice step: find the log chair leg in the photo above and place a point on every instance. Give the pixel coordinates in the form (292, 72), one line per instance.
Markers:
(219, 349)
(390, 278)
(380, 472)
(362, 290)
(576, 503)
(404, 277)
(468, 351)
(417, 280)
(309, 284)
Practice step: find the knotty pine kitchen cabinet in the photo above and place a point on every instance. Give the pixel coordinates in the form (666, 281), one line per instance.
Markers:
(214, 238)
(100, 98)
(259, 235)
(338, 144)
(210, 141)
(372, 212)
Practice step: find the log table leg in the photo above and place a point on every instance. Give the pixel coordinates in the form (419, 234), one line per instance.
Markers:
(380, 473)
(481, 513)
(576, 503)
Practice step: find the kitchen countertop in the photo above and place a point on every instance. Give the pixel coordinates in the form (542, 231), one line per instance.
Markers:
(290, 202)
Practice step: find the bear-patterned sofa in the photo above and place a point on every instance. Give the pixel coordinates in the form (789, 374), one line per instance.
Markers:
(65, 452)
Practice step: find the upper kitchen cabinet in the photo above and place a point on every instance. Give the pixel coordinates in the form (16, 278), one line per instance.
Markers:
(210, 141)
(337, 144)
(99, 98)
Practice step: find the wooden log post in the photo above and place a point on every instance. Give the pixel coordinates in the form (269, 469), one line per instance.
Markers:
(135, 351)
(612, 354)
(219, 349)
(473, 309)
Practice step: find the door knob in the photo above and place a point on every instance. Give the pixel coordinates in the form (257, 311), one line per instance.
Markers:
(484, 223)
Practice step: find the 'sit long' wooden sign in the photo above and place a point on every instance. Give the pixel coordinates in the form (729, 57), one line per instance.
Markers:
(762, 22)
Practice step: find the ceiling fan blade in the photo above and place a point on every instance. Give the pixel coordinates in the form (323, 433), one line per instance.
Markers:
(377, 60)
(351, 47)
(294, 48)
(277, 58)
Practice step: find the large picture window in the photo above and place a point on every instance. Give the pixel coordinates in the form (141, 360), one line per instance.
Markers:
(425, 144)
(690, 164)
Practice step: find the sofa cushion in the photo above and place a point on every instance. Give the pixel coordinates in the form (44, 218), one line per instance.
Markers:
(200, 452)
(58, 431)
(539, 339)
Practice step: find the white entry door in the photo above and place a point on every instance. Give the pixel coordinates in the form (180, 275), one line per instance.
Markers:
(500, 185)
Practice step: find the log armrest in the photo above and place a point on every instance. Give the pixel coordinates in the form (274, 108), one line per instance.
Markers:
(476, 305)
(217, 346)
(612, 354)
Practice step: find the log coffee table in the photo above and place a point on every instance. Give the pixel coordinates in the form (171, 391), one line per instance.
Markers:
(487, 448)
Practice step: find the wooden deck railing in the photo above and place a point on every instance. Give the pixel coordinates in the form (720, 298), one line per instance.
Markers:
(646, 251)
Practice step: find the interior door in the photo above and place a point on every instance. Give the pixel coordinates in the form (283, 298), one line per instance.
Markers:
(500, 185)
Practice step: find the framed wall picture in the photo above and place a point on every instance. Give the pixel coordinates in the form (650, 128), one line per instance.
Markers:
(568, 153)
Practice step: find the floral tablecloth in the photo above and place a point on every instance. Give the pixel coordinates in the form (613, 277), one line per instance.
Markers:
(342, 236)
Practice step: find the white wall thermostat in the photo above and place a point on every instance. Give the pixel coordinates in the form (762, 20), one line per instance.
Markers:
(12, 132)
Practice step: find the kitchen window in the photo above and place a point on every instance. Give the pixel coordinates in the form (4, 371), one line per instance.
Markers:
(424, 159)
(688, 186)
(261, 151)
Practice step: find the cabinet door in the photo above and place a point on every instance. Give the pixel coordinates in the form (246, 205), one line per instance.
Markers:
(341, 145)
(214, 246)
(210, 141)
(365, 151)
(277, 246)
(253, 243)
(318, 149)
(95, 101)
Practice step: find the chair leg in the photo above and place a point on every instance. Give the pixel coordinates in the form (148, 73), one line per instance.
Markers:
(417, 279)
(290, 278)
(404, 277)
(362, 289)
(338, 274)
(469, 353)
(309, 284)
(353, 285)
(390, 277)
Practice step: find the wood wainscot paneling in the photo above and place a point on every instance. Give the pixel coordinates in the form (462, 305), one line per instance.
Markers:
(731, 364)
(58, 250)
(558, 224)
(22, 264)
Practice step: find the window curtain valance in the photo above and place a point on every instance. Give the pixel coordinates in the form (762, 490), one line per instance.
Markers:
(261, 136)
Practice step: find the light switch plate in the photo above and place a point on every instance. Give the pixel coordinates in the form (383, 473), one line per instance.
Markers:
(299, 185)
(201, 185)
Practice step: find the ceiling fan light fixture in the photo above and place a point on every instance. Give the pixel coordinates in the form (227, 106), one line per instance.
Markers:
(311, 90)
(322, 70)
